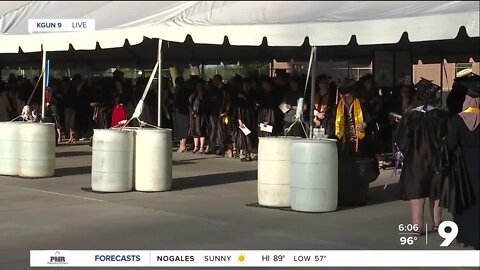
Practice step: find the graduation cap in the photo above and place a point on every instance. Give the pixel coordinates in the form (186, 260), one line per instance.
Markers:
(367, 77)
(472, 84)
(347, 86)
(117, 72)
(426, 88)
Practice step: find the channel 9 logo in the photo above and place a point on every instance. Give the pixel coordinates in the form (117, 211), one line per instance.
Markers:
(448, 236)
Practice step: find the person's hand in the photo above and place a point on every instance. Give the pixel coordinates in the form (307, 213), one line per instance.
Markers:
(321, 116)
(93, 104)
(317, 122)
(265, 124)
(289, 106)
(362, 127)
(397, 119)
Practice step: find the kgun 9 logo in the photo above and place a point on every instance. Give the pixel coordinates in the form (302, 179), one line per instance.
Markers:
(448, 236)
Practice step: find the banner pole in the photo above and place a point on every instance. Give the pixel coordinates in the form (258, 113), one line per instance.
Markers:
(44, 58)
(159, 109)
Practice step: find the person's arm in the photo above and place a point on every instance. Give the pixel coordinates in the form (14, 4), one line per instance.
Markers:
(403, 136)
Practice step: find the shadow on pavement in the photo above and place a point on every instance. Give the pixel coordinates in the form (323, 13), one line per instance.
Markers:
(73, 154)
(213, 180)
(377, 195)
(73, 171)
(181, 162)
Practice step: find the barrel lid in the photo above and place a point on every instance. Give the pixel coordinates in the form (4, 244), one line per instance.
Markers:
(316, 141)
(154, 130)
(30, 123)
(11, 123)
(111, 130)
(280, 138)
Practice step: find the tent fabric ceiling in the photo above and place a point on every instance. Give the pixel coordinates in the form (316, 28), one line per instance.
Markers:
(143, 55)
(325, 23)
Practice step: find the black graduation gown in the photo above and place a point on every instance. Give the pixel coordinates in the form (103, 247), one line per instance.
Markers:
(216, 101)
(328, 122)
(266, 113)
(198, 116)
(7, 112)
(455, 99)
(469, 141)
(245, 110)
(419, 138)
(181, 119)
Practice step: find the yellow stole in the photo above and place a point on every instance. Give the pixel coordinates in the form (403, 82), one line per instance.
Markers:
(471, 109)
(340, 121)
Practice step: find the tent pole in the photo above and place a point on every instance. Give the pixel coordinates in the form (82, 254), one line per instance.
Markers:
(441, 81)
(44, 59)
(159, 109)
(312, 91)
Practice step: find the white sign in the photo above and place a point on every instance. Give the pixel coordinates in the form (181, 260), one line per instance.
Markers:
(60, 25)
(254, 258)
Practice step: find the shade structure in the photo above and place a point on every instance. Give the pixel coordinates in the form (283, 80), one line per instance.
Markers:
(282, 23)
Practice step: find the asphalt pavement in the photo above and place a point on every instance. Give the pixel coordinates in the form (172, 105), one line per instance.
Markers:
(207, 209)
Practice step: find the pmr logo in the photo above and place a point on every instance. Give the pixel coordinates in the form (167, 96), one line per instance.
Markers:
(57, 259)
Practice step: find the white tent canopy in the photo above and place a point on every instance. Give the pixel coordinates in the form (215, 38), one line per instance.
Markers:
(244, 23)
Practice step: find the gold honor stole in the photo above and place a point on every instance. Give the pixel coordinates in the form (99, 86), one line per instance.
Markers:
(340, 121)
(474, 110)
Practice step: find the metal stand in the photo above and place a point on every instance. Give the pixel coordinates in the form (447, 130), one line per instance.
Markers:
(296, 120)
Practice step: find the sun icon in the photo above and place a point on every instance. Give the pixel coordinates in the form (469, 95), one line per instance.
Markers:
(242, 258)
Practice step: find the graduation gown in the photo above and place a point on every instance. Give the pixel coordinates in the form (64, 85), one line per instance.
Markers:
(216, 101)
(347, 147)
(244, 109)
(266, 113)
(469, 142)
(198, 116)
(326, 104)
(419, 138)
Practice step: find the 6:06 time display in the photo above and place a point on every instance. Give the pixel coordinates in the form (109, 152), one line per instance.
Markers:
(407, 227)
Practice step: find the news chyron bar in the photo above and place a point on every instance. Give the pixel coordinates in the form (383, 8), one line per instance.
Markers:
(254, 258)
(430, 254)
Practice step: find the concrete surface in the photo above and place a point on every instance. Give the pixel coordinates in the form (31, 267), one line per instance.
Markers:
(206, 210)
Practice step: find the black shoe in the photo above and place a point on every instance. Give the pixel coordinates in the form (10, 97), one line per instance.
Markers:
(219, 153)
(243, 160)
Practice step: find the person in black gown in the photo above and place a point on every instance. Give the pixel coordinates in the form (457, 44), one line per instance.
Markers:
(325, 105)
(267, 109)
(352, 123)
(217, 103)
(457, 95)
(464, 132)
(181, 121)
(419, 138)
(198, 117)
(245, 115)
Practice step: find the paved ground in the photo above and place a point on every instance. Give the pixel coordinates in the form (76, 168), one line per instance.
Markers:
(207, 210)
